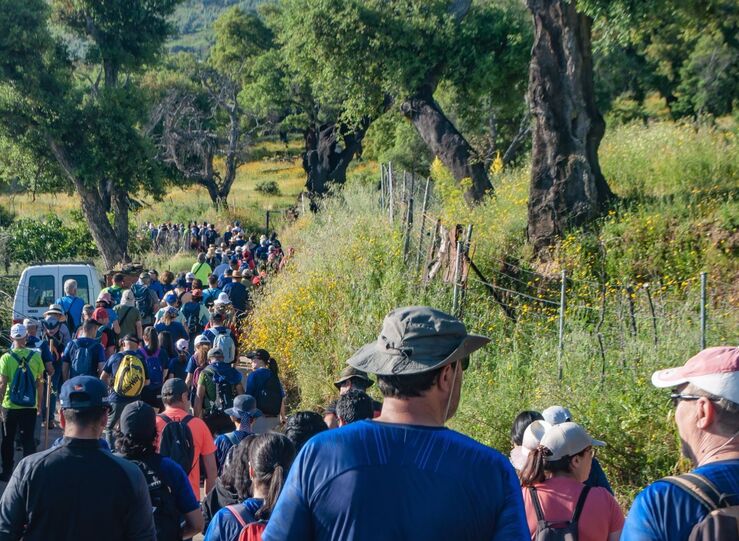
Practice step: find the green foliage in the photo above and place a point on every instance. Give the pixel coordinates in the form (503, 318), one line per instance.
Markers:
(6, 217)
(656, 237)
(268, 187)
(392, 138)
(32, 240)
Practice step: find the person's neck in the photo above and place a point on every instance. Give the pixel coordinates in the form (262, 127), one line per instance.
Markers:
(82, 433)
(411, 411)
(565, 475)
(177, 406)
(259, 491)
(715, 448)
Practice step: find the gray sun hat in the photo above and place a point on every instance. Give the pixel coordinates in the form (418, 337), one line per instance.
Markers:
(416, 339)
(245, 407)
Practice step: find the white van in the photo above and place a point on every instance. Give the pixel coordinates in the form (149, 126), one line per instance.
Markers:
(41, 285)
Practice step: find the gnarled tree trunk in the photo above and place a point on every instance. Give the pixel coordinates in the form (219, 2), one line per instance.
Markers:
(567, 186)
(445, 141)
(324, 160)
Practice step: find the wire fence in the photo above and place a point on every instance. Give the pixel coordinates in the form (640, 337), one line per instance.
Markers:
(612, 313)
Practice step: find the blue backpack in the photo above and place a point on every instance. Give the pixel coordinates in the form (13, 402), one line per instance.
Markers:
(156, 374)
(23, 385)
(82, 360)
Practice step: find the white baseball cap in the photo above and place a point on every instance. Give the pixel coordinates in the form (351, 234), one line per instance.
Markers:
(531, 439)
(567, 439)
(182, 345)
(18, 331)
(201, 339)
(30, 322)
(223, 298)
(715, 370)
(555, 415)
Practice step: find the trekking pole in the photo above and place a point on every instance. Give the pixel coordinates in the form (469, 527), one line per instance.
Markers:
(48, 406)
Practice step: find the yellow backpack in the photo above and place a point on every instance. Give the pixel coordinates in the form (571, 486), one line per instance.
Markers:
(130, 377)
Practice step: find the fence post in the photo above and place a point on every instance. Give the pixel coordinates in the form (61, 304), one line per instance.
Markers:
(562, 306)
(266, 221)
(457, 277)
(704, 278)
(391, 190)
(408, 228)
(651, 309)
(382, 187)
(423, 223)
(465, 254)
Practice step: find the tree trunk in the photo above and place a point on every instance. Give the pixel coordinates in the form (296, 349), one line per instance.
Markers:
(324, 160)
(567, 186)
(120, 205)
(92, 208)
(443, 139)
(232, 155)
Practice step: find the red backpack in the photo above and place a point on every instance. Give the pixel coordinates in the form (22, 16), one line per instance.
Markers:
(251, 531)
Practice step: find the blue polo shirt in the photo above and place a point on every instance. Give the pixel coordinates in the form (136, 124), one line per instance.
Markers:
(404, 482)
(226, 527)
(224, 444)
(665, 512)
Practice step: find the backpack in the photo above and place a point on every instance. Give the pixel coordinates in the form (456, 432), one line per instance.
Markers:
(191, 313)
(225, 392)
(176, 442)
(130, 376)
(69, 321)
(269, 397)
(251, 530)
(82, 360)
(722, 520)
(156, 374)
(163, 503)
(225, 341)
(23, 385)
(557, 531)
(144, 302)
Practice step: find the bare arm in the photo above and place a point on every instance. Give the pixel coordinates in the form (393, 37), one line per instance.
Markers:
(116, 327)
(200, 398)
(49, 369)
(188, 380)
(139, 330)
(105, 377)
(193, 524)
(211, 471)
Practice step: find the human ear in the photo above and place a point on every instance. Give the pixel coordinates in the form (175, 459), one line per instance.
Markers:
(705, 413)
(251, 472)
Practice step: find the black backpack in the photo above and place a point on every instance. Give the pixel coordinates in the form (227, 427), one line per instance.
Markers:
(191, 312)
(557, 531)
(144, 302)
(163, 503)
(176, 442)
(269, 397)
(225, 392)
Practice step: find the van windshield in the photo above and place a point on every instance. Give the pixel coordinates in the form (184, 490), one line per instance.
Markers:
(41, 290)
(83, 287)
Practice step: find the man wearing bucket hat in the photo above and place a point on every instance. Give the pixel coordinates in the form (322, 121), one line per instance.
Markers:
(77, 491)
(423, 480)
(242, 414)
(705, 395)
(237, 292)
(350, 378)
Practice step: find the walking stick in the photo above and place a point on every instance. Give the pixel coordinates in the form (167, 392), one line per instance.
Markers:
(48, 406)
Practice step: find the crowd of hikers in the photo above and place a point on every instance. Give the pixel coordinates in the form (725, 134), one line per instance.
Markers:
(167, 435)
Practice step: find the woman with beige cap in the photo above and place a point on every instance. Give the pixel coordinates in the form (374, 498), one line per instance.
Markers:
(558, 461)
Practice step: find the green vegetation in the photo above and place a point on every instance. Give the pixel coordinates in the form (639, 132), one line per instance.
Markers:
(678, 226)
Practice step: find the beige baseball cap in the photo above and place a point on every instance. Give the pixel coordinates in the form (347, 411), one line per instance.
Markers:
(567, 439)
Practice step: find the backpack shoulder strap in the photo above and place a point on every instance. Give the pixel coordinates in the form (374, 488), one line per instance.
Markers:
(235, 511)
(186, 419)
(537, 505)
(701, 489)
(231, 436)
(580, 504)
(164, 418)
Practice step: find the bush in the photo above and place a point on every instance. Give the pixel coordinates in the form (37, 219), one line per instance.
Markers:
(6, 217)
(268, 187)
(32, 240)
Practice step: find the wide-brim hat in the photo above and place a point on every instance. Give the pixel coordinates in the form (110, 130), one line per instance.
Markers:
(352, 373)
(55, 310)
(416, 339)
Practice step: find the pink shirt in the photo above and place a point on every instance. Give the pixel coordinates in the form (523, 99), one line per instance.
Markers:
(558, 496)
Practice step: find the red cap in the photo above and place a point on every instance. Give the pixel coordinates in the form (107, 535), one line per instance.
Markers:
(100, 314)
(715, 370)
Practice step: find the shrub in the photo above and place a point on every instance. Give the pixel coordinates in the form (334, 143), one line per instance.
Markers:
(6, 217)
(32, 240)
(268, 187)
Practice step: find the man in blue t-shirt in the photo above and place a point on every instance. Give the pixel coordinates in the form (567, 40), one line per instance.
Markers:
(71, 304)
(404, 475)
(706, 398)
(130, 346)
(237, 292)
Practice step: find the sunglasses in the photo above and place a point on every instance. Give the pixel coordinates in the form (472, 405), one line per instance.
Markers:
(677, 397)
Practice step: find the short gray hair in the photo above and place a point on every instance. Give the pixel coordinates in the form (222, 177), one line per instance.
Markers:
(70, 286)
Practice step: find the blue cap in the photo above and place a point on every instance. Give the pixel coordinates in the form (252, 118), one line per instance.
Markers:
(83, 392)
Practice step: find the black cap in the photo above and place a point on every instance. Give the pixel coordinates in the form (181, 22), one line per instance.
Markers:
(83, 392)
(131, 338)
(261, 354)
(138, 420)
(174, 387)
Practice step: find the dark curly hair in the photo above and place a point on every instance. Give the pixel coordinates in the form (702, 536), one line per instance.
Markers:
(302, 426)
(235, 475)
(133, 448)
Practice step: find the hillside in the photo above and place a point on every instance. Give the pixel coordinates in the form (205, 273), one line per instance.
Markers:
(194, 19)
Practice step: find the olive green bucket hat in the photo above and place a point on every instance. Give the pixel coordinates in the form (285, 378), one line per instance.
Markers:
(352, 373)
(416, 339)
